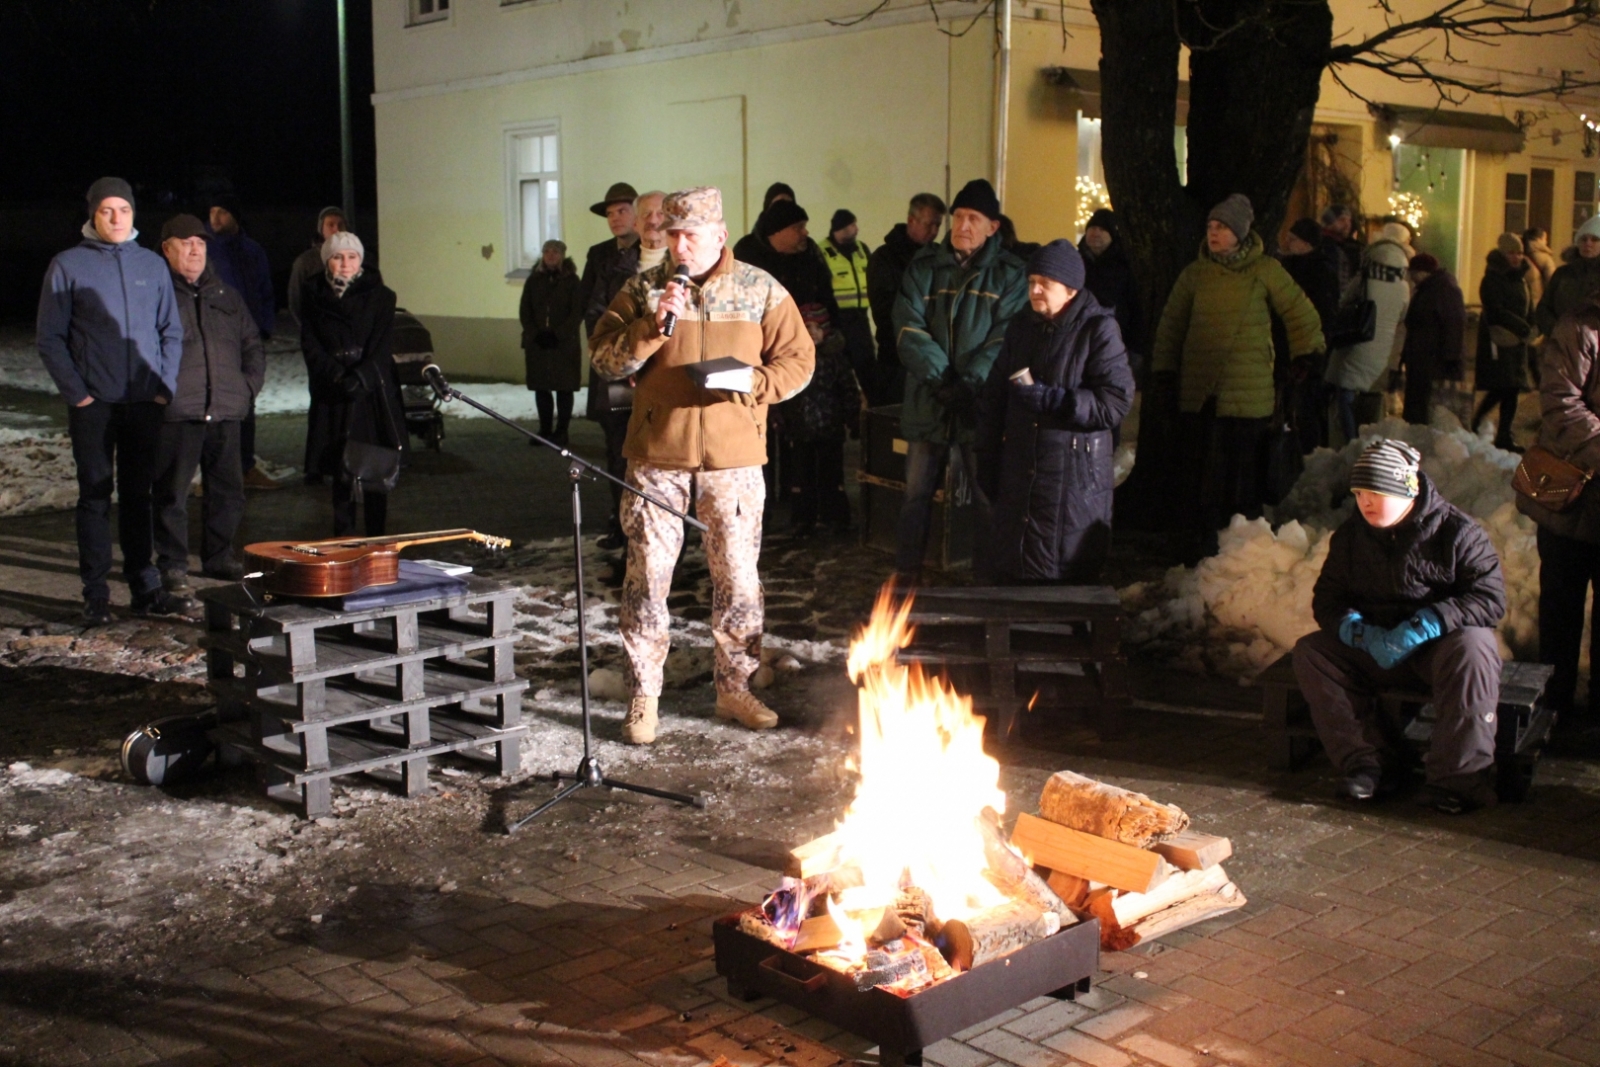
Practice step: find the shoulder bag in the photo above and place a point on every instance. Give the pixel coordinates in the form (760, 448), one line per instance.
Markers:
(1355, 323)
(1548, 480)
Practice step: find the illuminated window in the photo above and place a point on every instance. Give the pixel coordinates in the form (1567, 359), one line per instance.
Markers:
(533, 193)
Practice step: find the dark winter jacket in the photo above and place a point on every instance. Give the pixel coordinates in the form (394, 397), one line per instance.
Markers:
(1436, 557)
(885, 269)
(1216, 330)
(241, 262)
(307, 265)
(348, 344)
(1317, 274)
(223, 361)
(1569, 423)
(831, 404)
(551, 314)
(108, 324)
(1436, 325)
(1109, 276)
(1048, 473)
(1507, 299)
(606, 269)
(802, 273)
(1573, 285)
(953, 316)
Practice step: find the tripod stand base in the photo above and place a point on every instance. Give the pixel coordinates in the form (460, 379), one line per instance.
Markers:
(590, 776)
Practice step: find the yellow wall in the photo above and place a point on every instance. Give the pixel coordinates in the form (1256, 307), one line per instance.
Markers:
(1042, 161)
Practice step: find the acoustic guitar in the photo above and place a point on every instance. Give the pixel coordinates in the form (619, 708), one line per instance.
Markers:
(342, 565)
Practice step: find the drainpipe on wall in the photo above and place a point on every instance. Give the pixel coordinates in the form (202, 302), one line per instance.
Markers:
(1002, 17)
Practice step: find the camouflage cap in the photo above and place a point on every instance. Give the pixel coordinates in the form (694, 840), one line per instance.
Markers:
(687, 208)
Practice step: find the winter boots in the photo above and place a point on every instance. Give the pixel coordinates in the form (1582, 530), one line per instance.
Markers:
(639, 728)
(745, 709)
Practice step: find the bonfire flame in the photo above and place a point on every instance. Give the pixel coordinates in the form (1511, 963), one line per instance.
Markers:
(924, 783)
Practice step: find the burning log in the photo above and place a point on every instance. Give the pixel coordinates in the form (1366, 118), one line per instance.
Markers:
(820, 855)
(816, 935)
(1010, 873)
(756, 925)
(915, 908)
(993, 932)
(1108, 811)
(1087, 856)
(1192, 851)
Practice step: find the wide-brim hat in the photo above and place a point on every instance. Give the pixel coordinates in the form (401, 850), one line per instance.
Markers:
(619, 193)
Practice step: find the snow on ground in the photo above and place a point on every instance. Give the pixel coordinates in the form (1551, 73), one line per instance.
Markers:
(36, 472)
(1238, 611)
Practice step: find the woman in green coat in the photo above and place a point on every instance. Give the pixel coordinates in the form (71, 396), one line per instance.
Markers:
(1216, 338)
(1505, 334)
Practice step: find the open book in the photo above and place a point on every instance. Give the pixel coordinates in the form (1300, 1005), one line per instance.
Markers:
(726, 373)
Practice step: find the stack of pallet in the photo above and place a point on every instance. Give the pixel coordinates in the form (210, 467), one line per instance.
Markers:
(1132, 862)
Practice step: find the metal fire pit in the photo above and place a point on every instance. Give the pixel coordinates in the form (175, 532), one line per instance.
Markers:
(1059, 966)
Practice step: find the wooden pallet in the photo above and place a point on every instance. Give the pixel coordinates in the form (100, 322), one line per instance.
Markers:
(309, 693)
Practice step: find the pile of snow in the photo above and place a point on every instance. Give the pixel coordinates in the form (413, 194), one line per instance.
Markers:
(1238, 611)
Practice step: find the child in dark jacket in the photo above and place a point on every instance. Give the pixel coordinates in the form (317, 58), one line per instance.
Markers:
(1410, 593)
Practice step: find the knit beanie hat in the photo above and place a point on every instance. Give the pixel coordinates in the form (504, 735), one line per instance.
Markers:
(322, 215)
(1060, 261)
(1308, 231)
(841, 218)
(109, 187)
(1236, 213)
(1424, 262)
(182, 227)
(343, 241)
(775, 190)
(977, 195)
(1388, 467)
(780, 216)
(1103, 219)
(1588, 229)
(229, 203)
(1508, 244)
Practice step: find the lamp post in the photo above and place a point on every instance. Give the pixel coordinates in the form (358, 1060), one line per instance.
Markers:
(347, 188)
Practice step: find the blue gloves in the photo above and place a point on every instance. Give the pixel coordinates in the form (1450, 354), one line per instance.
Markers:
(1040, 399)
(1388, 648)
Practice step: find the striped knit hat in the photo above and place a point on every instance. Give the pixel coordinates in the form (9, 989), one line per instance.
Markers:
(1388, 467)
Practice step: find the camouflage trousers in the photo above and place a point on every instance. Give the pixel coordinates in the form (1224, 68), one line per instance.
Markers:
(730, 503)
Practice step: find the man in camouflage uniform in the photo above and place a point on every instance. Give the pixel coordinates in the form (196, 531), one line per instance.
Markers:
(688, 443)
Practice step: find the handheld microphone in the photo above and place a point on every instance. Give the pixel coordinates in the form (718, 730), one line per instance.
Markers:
(670, 323)
(435, 378)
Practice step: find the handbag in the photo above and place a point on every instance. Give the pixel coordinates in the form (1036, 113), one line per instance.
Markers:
(1283, 461)
(1355, 323)
(370, 468)
(1548, 480)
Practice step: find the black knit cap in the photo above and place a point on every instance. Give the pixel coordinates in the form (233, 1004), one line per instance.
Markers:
(1308, 231)
(229, 203)
(109, 187)
(1104, 220)
(1389, 467)
(182, 227)
(780, 216)
(977, 195)
(841, 218)
(1058, 260)
(775, 190)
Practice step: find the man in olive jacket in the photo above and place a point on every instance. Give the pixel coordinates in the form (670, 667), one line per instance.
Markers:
(219, 377)
(689, 444)
(956, 300)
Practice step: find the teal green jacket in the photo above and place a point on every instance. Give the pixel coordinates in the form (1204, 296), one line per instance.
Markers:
(1216, 331)
(950, 315)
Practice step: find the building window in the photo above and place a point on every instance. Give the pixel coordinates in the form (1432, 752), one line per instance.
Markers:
(1583, 197)
(1516, 203)
(421, 11)
(533, 193)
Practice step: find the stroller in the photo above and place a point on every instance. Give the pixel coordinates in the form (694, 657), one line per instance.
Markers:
(413, 350)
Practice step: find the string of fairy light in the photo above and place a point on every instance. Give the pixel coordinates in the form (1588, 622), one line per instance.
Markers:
(1408, 207)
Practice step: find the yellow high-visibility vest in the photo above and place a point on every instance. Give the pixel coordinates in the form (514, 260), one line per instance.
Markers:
(849, 274)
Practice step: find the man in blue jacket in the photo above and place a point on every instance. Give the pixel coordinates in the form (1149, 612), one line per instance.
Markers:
(110, 336)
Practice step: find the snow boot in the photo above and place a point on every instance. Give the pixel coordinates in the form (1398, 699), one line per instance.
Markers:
(743, 707)
(639, 728)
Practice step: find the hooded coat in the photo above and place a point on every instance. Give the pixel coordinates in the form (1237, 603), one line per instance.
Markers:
(1569, 423)
(1049, 475)
(886, 267)
(1216, 331)
(953, 316)
(348, 344)
(1507, 298)
(1436, 326)
(108, 324)
(552, 313)
(1436, 557)
(1571, 287)
(1360, 366)
(223, 361)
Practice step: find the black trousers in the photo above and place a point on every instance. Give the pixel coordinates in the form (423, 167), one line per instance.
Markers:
(557, 405)
(1567, 568)
(1419, 395)
(1221, 458)
(247, 441)
(1507, 399)
(615, 426)
(374, 510)
(818, 491)
(213, 447)
(1461, 669)
(115, 444)
(862, 352)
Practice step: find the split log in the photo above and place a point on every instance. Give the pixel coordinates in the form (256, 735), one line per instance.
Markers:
(817, 935)
(1061, 848)
(915, 908)
(1113, 938)
(820, 855)
(1072, 890)
(1010, 873)
(886, 968)
(1108, 811)
(1131, 907)
(1193, 851)
(1188, 912)
(993, 932)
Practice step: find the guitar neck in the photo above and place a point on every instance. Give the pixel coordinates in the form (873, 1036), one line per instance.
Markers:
(397, 543)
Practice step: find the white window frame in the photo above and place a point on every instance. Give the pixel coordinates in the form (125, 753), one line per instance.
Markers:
(442, 11)
(517, 264)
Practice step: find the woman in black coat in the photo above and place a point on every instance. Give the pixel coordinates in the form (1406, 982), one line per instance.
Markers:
(1436, 324)
(347, 337)
(551, 313)
(1044, 437)
(1504, 332)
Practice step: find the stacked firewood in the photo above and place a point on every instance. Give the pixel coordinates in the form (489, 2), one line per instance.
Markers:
(1131, 862)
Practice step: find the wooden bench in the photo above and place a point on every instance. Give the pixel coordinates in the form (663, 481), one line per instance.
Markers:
(1522, 727)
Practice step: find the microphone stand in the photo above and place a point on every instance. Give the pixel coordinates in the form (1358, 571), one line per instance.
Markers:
(589, 774)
